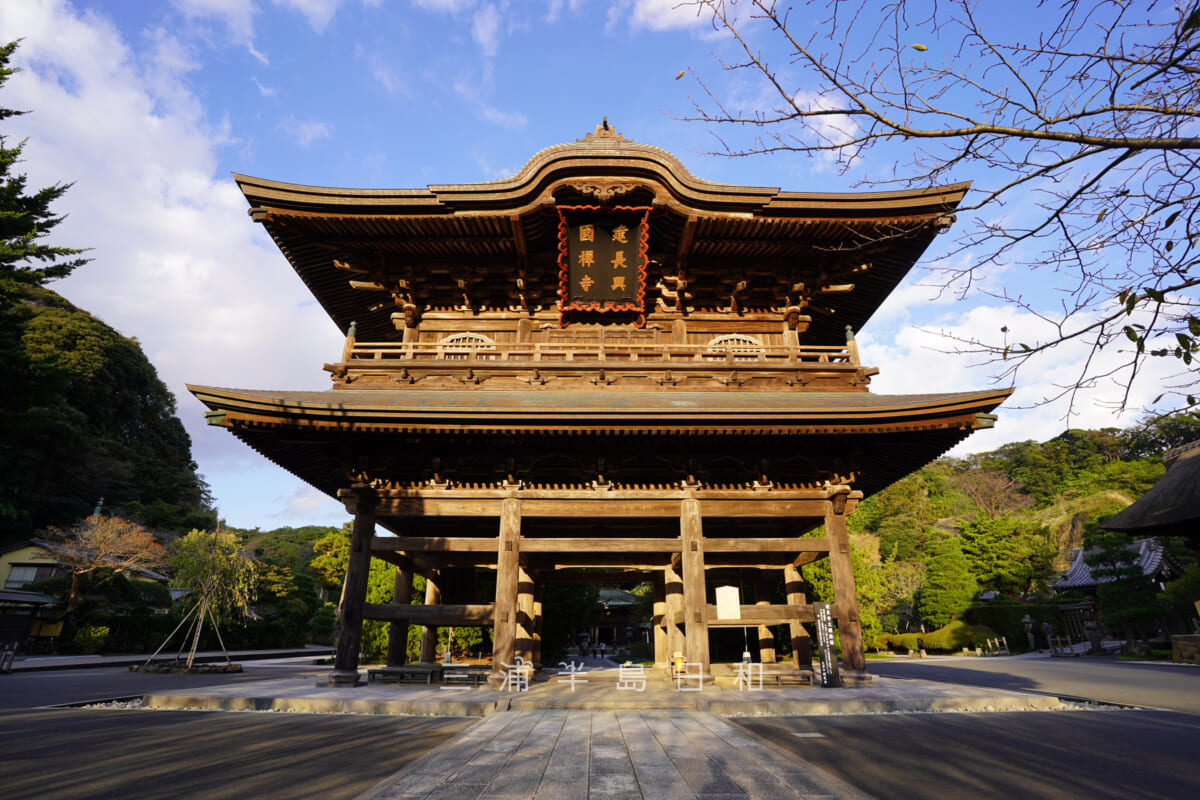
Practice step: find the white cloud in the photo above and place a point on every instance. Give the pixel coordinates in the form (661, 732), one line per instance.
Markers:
(305, 502)
(485, 30)
(657, 15)
(265, 91)
(317, 12)
(554, 11)
(383, 72)
(176, 261)
(236, 15)
(920, 361)
(305, 132)
(444, 6)
(505, 119)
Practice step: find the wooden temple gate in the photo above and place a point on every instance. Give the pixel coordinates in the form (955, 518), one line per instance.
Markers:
(601, 368)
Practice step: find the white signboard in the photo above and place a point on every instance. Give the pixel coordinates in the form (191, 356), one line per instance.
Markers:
(729, 602)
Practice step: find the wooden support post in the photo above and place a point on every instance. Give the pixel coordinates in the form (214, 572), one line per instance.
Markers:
(801, 642)
(694, 601)
(524, 634)
(433, 597)
(354, 589)
(504, 631)
(673, 586)
(766, 639)
(849, 629)
(658, 624)
(397, 654)
(537, 623)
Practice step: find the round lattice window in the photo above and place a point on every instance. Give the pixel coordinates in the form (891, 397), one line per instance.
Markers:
(464, 345)
(743, 347)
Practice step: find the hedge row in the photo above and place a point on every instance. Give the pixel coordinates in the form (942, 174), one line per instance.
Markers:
(951, 638)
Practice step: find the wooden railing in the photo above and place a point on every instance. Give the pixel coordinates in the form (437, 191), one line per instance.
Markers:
(538, 363)
(374, 353)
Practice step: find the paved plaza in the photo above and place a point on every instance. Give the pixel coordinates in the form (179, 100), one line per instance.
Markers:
(609, 755)
(594, 740)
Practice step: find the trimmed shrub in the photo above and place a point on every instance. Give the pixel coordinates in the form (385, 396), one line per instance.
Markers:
(957, 635)
(1004, 617)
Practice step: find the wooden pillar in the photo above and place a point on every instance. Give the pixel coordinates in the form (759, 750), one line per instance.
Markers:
(673, 587)
(842, 570)
(537, 623)
(766, 639)
(523, 645)
(397, 654)
(433, 597)
(662, 656)
(354, 589)
(801, 643)
(694, 599)
(504, 629)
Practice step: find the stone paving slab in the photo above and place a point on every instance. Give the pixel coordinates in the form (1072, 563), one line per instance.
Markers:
(622, 754)
(882, 695)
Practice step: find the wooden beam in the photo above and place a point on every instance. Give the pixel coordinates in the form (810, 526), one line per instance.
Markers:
(417, 544)
(603, 545)
(609, 576)
(764, 545)
(433, 616)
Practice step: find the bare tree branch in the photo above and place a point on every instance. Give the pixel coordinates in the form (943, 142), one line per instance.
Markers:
(1087, 133)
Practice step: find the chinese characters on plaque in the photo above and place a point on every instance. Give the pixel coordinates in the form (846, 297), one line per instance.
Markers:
(602, 258)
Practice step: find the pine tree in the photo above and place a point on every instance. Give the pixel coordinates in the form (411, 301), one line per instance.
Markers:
(26, 218)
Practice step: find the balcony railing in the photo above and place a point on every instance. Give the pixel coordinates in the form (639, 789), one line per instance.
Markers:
(825, 366)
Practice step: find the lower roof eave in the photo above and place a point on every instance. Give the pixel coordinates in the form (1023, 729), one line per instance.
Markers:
(667, 411)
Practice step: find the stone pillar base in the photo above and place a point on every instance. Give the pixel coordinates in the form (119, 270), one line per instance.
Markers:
(345, 678)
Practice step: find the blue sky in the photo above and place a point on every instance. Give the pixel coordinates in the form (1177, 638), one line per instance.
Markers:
(148, 108)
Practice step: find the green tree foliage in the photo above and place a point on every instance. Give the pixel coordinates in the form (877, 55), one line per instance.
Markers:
(1129, 599)
(90, 421)
(25, 217)
(902, 582)
(868, 585)
(1009, 555)
(331, 555)
(215, 567)
(949, 585)
(1154, 436)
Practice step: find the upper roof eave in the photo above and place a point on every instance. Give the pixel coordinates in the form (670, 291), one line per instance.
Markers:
(586, 160)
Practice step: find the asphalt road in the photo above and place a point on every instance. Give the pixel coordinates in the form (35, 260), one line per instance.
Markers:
(1052, 755)
(1038, 755)
(85, 754)
(1164, 686)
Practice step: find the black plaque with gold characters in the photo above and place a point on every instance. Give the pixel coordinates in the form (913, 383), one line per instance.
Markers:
(830, 678)
(602, 259)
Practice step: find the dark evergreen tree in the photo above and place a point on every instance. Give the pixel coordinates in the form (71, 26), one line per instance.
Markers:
(949, 585)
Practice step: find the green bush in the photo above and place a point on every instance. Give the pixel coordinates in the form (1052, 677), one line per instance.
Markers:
(1004, 617)
(90, 638)
(957, 635)
(909, 641)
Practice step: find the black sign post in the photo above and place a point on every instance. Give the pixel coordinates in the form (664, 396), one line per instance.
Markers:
(829, 666)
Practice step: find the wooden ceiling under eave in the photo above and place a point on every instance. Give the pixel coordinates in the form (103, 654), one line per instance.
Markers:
(489, 234)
